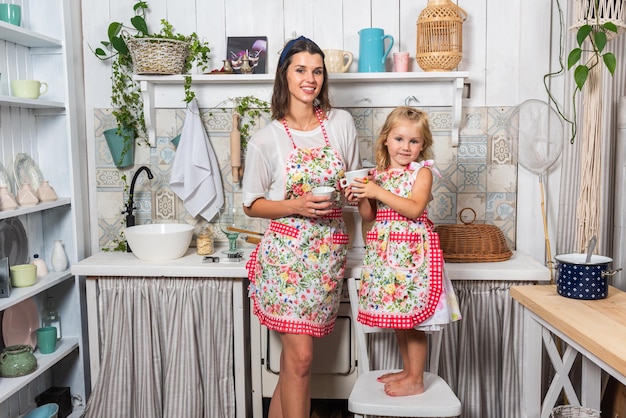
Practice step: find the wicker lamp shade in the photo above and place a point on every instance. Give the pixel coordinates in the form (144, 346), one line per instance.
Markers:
(440, 36)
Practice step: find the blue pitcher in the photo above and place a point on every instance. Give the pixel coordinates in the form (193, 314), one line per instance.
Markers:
(372, 53)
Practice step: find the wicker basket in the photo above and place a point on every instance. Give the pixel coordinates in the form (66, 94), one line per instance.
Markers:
(472, 243)
(440, 36)
(157, 56)
(568, 411)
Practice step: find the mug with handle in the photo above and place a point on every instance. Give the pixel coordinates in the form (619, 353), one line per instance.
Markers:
(11, 13)
(337, 60)
(350, 176)
(28, 89)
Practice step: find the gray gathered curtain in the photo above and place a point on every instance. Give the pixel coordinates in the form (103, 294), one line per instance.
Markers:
(167, 349)
(481, 355)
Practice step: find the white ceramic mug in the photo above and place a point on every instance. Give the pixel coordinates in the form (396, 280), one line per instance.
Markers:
(337, 60)
(350, 176)
(28, 89)
(326, 191)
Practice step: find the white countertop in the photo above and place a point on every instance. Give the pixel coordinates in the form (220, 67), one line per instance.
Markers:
(521, 267)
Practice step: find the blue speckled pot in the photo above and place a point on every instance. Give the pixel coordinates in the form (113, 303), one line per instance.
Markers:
(579, 280)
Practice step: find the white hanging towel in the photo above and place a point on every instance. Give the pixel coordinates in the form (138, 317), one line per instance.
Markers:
(196, 177)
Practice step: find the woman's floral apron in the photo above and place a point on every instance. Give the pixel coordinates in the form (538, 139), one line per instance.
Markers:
(401, 280)
(297, 269)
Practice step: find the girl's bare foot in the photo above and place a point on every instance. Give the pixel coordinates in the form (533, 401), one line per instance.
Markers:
(391, 377)
(404, 387)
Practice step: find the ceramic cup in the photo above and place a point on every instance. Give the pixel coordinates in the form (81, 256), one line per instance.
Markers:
(326, 191)
(11, 13)
(28, 89)
(47, 339)
(337, 60)
(401, 62)
(351, 175)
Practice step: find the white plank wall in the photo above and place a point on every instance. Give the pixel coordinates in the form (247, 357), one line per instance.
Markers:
(508, 47)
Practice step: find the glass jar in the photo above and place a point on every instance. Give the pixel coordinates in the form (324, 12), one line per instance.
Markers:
(204, 242)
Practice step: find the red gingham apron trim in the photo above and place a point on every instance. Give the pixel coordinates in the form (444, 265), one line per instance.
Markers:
(390, 215)
(404, 237)
(283, 229)
(334, 214)
(341, 239)
(290, 325)
(251, 264)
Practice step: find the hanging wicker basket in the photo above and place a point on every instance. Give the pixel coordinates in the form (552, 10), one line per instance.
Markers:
(568, 411)
(600, 12)
(157, 55)
(472, 243)
(440, 36)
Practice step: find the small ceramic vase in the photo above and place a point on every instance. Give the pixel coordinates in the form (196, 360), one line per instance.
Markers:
(46, 193)
(26, 196)
(42, 269)
(59, 258)
(7, 200)
(17, 360)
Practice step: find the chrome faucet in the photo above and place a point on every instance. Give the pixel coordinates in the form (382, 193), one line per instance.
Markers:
(130, 204)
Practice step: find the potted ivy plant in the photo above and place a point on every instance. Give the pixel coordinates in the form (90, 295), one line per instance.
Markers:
(593, 32)
(128, 48)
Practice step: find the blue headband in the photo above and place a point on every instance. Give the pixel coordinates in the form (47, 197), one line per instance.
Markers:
(287, 48)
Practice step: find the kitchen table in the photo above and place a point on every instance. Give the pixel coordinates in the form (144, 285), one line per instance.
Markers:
(595, 329)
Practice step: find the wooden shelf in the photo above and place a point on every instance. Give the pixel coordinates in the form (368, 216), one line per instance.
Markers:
(30, 103)
(24, 210)
(21, 36)
(19, 294)
(347, 90)
(11, 386)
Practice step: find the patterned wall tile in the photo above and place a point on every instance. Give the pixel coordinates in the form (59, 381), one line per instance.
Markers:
(164, 205)
(440, 120)
(109, 231)
(442, 209)
(498, 119)
(500, 149)
(472, 149)
(475, 201)
(447, 182)
(109, 178)
(472, 178)
(474, 121)
(502, 178)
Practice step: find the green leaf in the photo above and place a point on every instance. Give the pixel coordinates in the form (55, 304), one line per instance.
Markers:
(599, 39)
(580, 76)
(573, 57)
(610, 62)
(582, 34)
(114, 29)
(139, 23)
(119, 45)
(100, 52)
(610, 26)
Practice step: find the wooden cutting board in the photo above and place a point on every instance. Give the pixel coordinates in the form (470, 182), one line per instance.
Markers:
(599, 326)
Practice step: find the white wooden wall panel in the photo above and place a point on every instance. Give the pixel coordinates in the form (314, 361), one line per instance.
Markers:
(474, 49)
(507, 45)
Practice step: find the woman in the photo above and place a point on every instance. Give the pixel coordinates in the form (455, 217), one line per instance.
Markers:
(297, 269)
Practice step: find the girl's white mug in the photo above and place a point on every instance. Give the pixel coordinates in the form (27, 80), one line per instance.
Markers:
(350, 176)
(28, 89)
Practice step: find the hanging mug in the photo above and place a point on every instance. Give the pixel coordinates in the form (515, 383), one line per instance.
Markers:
(372, 52)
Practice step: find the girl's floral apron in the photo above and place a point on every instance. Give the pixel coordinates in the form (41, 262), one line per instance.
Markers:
(297, 269)
(401, 280)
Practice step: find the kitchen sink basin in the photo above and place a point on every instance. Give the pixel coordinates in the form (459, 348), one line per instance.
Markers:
(157, 242)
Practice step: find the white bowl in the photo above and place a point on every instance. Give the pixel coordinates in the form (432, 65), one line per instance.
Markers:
(157, 242)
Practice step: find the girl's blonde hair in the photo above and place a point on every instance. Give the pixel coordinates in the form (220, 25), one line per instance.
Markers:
(399, 115)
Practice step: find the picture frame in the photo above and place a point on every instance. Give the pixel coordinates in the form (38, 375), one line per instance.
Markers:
(254, 47)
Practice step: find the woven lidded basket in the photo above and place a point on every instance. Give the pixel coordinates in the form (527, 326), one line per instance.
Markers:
(472, 243)
(568, 411)
(157, 56)
(440, 36)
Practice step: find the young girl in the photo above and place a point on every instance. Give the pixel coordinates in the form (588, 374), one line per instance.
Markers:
(402, 281)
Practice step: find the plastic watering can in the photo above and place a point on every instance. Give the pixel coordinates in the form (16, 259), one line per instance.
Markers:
(372, 53)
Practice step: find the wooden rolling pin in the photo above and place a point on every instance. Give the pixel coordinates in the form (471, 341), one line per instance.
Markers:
(244, 231)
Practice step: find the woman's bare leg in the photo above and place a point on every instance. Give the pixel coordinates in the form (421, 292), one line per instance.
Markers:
(292, 395)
